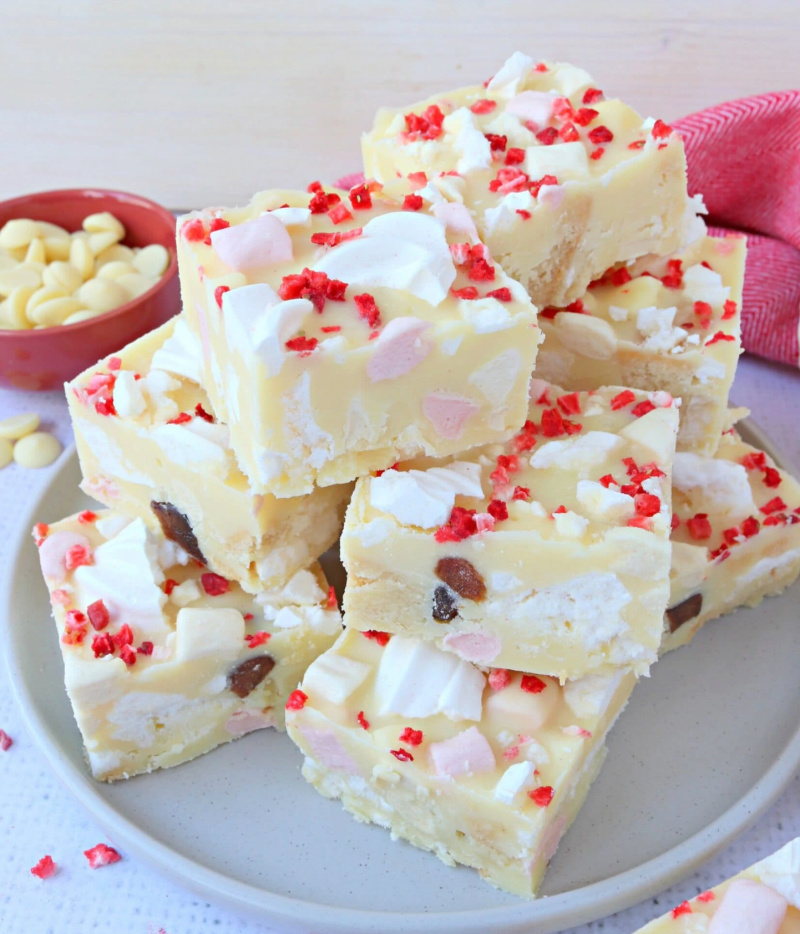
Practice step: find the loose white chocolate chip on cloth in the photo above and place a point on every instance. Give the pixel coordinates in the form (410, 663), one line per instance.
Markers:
(39, 449)
(6, 453)
(17, 426)
(50, 277)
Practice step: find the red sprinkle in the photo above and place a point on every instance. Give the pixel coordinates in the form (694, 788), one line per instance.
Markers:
(380, 637)
(706, 897)
(296, 700)
(699, 527)
(362, 720)
(101, 855)
(180, 419)
(532, 685)
(719, 336)
(542, 796)
(5, 741)
(44, 868)
(219, 291)
(87, 516)
(214, 584)
(412, 737)
(403, 755)
(256, 639)
(98, 615)
(483, 106)
(729, 310)
(331, 602)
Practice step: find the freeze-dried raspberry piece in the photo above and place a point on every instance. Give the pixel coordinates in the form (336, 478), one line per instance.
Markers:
(674, 276)
(483, 106)
(302, 345)
(5, 741)
(180, 419)
(521, 493)
(193, 231)
(461, 576)
(101, 855)
(756, 460)
(515, 156)
(78, 556)
(642, 408)
(497, 143)
(103, 645)
(750, 527)
(719, 336)
(699, 527)
(44, 868)
(772, 477)
(219, 291)
(502, 295)
(461, 525)
(647, 504)
(729, 310)
(360, 197)
(585, 115)
(412, 202)
(402, 755)
(411, 737)
(296, 700)
(547, 136)
(87, 516)
(592, 96)
(339, 214)
(661, 130)
(499, 679)
(481, 271)
(256, 639)
(600, 134)
(380, 637)
(427, 125)
(218, 223)
(214, 584)
(622, 399)
(368, 310)
(542, 796)
(532, 685)
(127, 654)
(570, 403)
(146, 648)
(469, 293)
(683, 909)
(774, 505)
(498, 510)
(98, 615)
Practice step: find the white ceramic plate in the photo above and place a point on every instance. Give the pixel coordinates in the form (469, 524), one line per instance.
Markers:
(705, 746)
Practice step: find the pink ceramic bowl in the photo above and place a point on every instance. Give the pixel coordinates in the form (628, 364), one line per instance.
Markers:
(46, 358)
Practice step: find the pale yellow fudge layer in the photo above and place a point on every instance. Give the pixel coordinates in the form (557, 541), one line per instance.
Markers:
(669, 323)
(146, 451)
(562, 183)
(737, 539)
(164, 660)
(328, 359)
(762, 899)
(548, 554)
(482, 768)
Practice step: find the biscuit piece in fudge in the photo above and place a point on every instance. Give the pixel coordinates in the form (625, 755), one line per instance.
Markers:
(342, 332)
(669, 323)
(762, 899)
(150, 446)
(549, 554)
(164, 660)
(562, 182)
(736, 538)
(488, 770)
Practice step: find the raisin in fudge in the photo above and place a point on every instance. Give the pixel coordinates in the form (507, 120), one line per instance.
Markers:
(562, 182)
(762, 899)
(736, 538)
(150, 446)
(669, 323)
(344, 332)
(484, 770)
(164, 660)
(549, 554)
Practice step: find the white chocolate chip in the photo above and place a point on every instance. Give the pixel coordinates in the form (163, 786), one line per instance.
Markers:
(36, 450)
(17, 277)
(101, 294)
(99, 242)
(17, 426)
(82, 315)
(136, 284)
(36, 252)
(63, 276)
(16, 305)
(116, 253)
(152, 260)
(54, 311)
(103, 222)
(18, 233)
(115, 268)
(6, 453)
(81, 257)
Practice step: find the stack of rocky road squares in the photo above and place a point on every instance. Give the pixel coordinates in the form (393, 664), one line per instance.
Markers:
(486, 353)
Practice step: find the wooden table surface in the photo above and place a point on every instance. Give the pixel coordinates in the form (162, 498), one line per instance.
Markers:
(201, 102)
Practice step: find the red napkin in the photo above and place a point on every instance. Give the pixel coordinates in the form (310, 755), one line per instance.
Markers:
(744, 158)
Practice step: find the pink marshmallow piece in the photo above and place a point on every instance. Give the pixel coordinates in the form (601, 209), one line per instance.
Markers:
(346, 182)
(53, 551)
(551, 195)
(263, 241)
(749, 907)
(448, 413)
(247, 721)
(480, 648)
(326, 747)
(467, 752)
(536, 106)
(456, 218)
(398, 349)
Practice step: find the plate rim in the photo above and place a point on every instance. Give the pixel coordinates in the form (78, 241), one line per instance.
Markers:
(548, 913)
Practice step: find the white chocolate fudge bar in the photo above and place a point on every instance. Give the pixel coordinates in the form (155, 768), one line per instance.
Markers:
(151, 447)
(342, 332)
(562, 183)
(485, 771)
(669, 323)
(762, 899)
(736, 538)
(164, 660)
(549, 554)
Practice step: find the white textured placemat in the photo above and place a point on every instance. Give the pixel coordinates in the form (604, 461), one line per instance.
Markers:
(37, 816)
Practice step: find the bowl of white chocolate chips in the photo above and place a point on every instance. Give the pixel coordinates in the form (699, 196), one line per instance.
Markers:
(82, 271)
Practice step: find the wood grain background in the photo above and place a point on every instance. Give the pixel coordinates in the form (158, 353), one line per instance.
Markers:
(203, 102)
